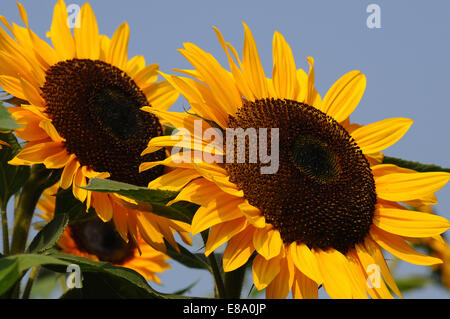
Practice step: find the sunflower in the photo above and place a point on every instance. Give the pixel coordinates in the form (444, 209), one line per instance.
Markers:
(441, 249)
(99, 241)
(79, 111)
(323, 217)
(438, 246)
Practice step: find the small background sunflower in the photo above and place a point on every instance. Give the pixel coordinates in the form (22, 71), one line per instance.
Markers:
(404, 78)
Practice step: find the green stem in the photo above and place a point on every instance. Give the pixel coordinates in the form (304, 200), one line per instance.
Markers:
(217, 276)
(234, 280)
(216, 271)
(417, 166)
(40, 178)
(31, 278)
(5, 229)
(63, 284)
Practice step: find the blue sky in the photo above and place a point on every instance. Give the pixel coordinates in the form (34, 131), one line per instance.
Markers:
(406, 62)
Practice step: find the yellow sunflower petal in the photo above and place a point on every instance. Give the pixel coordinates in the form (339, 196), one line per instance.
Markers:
(57, 160)
(37, 153)
(335, 273)
(181, 120)
(51, 131)
(13, 86)
(120, 219)
(302, 79)
(183, 142)
(384, 169)
(32, 93)
(410, 186)
(87, 39)
(305, 261)
(199, 97)
(281, 285)
(251, 66)
(137, 64)
(105, 44)
(103, 206)
(219, 176)
(118, 48)
(303, 287)
(161, 95)
(60, 33)
(398, 247)
(148, 230)
(267, 242)
(166, 231)
(215, 213)
(174, 180)
(375, 251)
(264, 271)
(199, 192)
(238, 250)
(358, 280)
(43, 51)
(146, 75)
(215, 77)
(219, 234)
(253, 214)
(375, 285)
(69, 171)
(344, 95)
(17, 66)
(380, 135)
(31, 130)
(284, 73)
(312, 96)
(409, 223)
(241, 81)
(79, 181)
(169, 162)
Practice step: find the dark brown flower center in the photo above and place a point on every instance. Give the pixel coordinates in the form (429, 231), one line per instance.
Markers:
(102, 240)
(323, 193)
(96, 108)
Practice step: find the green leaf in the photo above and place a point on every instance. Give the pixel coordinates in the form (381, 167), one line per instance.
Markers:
(411, 283)
(186, 258)
(12, 177)
(168, 129)
(417, 166)
(45, 284)
(104, 280)
(103, 286)
(49, 235)
(138, 193)
(7, 123)
(186, 289)
(12, 267)
(150, 200)
(67, 204)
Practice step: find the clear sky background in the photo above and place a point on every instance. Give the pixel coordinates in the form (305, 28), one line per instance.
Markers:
(406, 61)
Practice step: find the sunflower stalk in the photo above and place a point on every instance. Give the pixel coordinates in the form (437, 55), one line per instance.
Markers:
(5, 229)
(234, 281)
(33, 274)
(218, 280)
(416, 166)
(40, 179)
